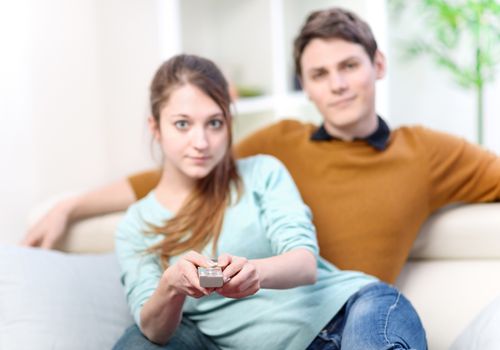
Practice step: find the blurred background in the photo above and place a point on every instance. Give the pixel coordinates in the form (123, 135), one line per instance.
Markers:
(74, 78)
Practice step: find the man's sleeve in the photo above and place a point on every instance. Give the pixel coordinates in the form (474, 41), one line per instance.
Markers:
(144, 182)
(256, 143)
(460, 171)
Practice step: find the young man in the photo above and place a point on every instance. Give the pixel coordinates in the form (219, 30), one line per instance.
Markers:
(370, 188)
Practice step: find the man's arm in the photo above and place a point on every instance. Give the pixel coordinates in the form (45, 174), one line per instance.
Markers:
(48, 230)
(116, 196)
(459, 171)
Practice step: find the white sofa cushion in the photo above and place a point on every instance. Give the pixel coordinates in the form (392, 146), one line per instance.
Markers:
(52, 300)
(448, 294)
(461, 232)
(93, 235)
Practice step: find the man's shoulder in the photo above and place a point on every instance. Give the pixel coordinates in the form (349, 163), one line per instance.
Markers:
(286, 127)
(420, 133)
(424, 134)
(275, 138)
(293, 125)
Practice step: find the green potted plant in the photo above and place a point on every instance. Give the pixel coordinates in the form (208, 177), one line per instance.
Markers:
(452, 28)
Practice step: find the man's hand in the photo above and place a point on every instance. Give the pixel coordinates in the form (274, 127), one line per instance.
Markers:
(48, 230)
(113, 197)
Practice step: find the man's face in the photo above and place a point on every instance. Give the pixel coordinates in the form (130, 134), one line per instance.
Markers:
(339, 77)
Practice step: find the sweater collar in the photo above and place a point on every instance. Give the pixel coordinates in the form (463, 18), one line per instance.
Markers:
(378, 139)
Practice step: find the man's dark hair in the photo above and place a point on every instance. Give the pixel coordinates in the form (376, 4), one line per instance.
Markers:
(334, 23)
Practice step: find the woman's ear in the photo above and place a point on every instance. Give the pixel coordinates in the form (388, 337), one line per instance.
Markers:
(154, 128)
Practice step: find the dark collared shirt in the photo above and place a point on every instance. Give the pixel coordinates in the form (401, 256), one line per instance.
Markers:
(378, 139)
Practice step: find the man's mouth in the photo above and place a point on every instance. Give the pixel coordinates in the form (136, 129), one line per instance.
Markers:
(342, 102)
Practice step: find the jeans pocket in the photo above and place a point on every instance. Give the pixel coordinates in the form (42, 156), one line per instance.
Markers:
(325, 341)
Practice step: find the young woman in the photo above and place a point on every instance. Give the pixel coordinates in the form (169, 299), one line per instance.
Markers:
(248, 216)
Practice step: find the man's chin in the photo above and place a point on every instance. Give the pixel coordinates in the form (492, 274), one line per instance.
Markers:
(342, 123)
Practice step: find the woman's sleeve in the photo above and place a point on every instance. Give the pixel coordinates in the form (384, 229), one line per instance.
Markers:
(287, 219)
(140, 271)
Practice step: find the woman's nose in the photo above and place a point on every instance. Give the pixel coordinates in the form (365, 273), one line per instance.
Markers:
(200, 140)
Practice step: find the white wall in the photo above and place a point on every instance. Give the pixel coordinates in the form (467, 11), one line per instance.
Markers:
(73, 97)
(16, 131)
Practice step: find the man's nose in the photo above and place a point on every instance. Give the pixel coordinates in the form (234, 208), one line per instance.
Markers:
(338, 83)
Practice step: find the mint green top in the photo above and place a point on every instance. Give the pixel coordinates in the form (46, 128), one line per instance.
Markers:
(269, 219)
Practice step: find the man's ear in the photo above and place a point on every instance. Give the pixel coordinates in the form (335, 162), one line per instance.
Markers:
(379, 63)
(154, 128)
(301, 84)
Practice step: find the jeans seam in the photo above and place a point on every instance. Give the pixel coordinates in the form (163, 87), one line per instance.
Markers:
(391, 308)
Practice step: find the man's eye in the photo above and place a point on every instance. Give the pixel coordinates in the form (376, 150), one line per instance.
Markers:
(216, 123)
(181, 124)
(318, 75)
(351, 65)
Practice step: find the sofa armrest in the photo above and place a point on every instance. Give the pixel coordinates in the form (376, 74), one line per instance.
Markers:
(92, 235)
(460, 232)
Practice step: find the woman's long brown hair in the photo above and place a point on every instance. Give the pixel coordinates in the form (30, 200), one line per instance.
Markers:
(199, 220)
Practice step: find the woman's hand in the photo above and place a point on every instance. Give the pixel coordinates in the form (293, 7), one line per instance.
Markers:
(241, 278)
(162, 313)
(182, 277)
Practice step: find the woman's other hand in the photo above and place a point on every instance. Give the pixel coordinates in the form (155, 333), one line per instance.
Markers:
(241, 278)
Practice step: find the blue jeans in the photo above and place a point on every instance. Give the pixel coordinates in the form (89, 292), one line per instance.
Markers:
(377, 317)
(186, 337)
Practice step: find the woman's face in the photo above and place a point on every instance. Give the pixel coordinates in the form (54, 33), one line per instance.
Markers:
(193, 133)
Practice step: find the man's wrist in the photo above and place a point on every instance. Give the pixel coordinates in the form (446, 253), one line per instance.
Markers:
(70, 208)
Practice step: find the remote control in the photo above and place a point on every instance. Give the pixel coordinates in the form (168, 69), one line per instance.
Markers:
(210, 277)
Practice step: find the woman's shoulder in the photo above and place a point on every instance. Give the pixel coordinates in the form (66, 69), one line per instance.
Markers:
(261, 171)
(262, 163)
(141, 210)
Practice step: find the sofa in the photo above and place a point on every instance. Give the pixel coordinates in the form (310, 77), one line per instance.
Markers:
(72, 298)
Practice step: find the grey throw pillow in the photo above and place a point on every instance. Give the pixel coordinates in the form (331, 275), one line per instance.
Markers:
(53, 300)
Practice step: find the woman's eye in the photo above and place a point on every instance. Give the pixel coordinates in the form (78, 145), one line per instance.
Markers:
(216, 123)
(181, 124)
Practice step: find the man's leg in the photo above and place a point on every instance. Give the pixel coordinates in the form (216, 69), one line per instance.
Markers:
(186, 337)
(379, 317)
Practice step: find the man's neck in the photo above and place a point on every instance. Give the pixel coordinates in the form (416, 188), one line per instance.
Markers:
(359, 130)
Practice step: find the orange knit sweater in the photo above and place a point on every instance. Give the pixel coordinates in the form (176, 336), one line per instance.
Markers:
(369, 205)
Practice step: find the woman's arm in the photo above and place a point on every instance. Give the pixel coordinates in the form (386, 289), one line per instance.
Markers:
(52, 226)
(162, 313)
(287, 224)
(288, 270)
